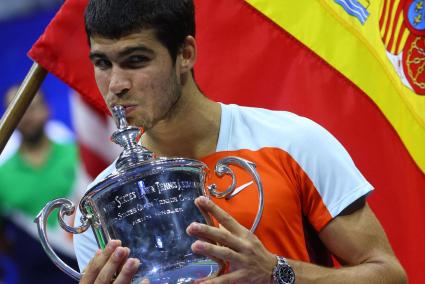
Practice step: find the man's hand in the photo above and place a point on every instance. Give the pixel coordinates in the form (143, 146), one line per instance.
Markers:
(249, 260)
(111, 265)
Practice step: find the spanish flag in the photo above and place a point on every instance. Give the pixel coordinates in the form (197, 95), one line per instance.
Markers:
(354, 66)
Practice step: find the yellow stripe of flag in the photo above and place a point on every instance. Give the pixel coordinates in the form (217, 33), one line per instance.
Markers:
(357, 51)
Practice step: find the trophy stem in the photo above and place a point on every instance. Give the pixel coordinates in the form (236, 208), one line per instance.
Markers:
(126, 136)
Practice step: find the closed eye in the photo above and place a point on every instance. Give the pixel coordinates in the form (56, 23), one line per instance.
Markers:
(101, 63)
(135, 61)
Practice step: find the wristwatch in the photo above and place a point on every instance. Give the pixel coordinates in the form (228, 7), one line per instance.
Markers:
(282, 272)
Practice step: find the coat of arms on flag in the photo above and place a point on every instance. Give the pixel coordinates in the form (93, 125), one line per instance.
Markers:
(356, 8)
(402, 26)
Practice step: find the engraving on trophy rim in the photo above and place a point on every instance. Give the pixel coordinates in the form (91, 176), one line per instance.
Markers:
(168, 200)
(159, 165)
(125, 198)
(141, 219)
(133, 203)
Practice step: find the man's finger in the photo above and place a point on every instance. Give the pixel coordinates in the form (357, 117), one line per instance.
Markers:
(220, 215)
(128, 271)
(96, 264)
(217, 252)
(112, 266)
(215, 235)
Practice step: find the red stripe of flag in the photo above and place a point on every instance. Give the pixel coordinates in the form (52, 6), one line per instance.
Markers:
(49, 51)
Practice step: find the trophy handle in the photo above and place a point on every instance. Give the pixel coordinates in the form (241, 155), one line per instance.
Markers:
(222, 168)
(66, 207)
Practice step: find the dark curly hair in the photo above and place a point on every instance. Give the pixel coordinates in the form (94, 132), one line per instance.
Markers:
(171, 20)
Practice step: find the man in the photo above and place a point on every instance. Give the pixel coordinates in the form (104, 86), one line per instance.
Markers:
(143, 53)
(39, 171)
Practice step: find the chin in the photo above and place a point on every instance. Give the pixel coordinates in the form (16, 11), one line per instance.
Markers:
(135, 123)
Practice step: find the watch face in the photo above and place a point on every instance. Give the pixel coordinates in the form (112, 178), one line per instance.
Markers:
(285, 275)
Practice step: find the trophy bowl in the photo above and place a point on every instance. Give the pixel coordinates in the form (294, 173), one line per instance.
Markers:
(148, 203)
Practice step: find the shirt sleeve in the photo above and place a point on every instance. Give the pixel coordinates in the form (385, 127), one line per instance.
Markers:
(330, 181)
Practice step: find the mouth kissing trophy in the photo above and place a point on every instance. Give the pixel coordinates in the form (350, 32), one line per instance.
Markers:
(147, 203)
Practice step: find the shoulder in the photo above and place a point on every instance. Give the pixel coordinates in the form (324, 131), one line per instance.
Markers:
(255, 128)
(317, 153)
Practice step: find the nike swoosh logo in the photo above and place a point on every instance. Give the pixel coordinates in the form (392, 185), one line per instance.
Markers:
(239, 189)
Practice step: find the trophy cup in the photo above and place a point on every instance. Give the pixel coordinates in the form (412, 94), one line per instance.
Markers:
(147, 202)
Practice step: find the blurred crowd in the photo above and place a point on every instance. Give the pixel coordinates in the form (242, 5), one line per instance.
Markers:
(38, 170)
(40, 162)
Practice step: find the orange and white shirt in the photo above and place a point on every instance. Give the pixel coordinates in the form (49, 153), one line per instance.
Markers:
(307, 176)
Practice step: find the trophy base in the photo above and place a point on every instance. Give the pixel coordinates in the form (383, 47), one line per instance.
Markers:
(183, 274)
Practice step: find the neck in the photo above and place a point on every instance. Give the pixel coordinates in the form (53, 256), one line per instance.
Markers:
(192, 130)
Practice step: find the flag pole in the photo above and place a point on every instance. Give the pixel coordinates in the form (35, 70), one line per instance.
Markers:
(20, 102)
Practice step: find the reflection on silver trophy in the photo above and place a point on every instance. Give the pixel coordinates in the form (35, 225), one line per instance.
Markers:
(147, 203)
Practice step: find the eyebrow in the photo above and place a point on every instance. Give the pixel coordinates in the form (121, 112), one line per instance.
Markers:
(123, 53)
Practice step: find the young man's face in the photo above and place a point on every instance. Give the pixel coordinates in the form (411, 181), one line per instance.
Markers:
(136, 72)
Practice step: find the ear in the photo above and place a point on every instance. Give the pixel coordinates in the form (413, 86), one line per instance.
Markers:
(187, 55)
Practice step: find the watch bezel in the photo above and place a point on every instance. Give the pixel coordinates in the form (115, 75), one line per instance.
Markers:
(283, 272)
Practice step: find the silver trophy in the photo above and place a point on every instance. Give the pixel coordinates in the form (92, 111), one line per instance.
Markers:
(147, 203)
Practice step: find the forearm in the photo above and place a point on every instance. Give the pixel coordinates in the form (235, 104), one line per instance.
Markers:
(385, 272)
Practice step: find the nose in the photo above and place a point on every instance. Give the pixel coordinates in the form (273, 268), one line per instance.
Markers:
(120, 82)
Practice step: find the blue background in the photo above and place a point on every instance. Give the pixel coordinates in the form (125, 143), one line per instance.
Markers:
(17, 36)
